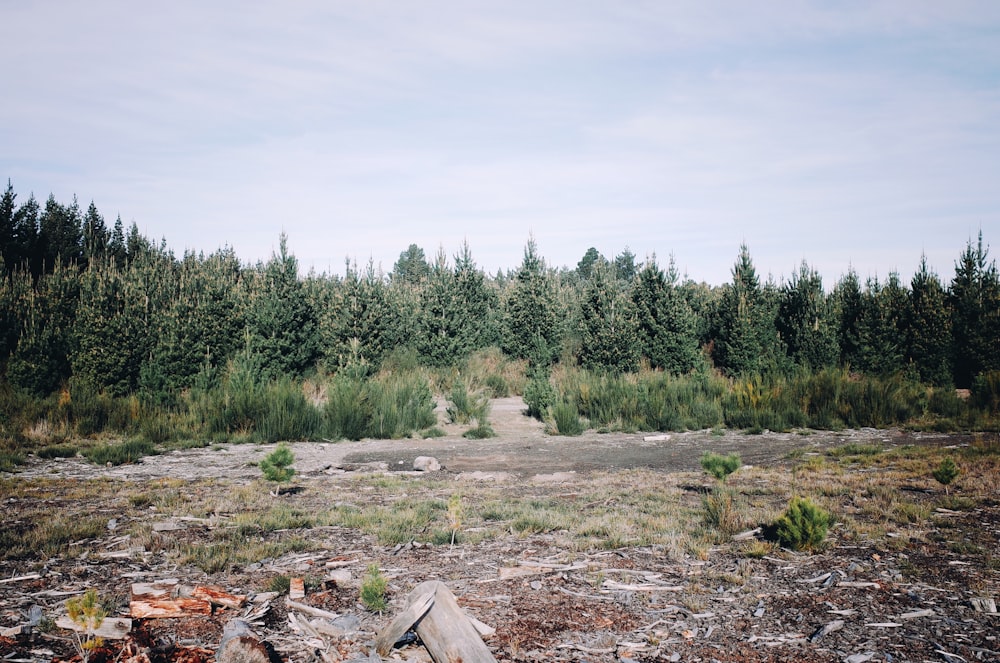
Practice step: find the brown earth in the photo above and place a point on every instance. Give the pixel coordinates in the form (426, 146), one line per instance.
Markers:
(914, 601)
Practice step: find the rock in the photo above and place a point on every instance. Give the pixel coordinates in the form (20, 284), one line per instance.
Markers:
(426, 464)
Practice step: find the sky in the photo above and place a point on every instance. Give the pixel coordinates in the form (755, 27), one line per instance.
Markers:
(846, 134)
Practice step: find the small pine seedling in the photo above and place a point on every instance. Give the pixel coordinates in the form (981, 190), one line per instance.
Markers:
(946, 473)
(455, 515)
(720, 466)
(373, 588)
(86, 612)
(803, 526)
(276, 466)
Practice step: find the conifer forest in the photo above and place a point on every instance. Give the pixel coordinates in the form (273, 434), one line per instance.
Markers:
(104, 331)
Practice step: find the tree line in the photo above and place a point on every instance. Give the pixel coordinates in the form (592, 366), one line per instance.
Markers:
(84, 303)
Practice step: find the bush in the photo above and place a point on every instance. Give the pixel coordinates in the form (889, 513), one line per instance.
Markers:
(276, 466)
(119, 454)
(57, 451)
(539, 396)
(466, 407)
(803, 526)
(567, 419)
(720, 466)
(945, 473)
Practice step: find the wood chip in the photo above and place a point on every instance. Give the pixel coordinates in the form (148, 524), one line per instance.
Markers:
(296, 588)
(916, 614)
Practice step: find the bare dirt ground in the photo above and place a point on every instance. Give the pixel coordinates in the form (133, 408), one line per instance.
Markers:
(914, 596)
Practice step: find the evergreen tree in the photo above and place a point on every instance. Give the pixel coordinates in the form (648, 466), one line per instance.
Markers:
(882, 327)
(412, 266)
(40, 362)
(667, 328)
(531, 326)
(281, 321)
(201, 326)
(116, 245)
(805, 321)
(929, 324)
(95, 235)
(625, 266)
(61, 233)
(974, 297)
(848, 307)
(585, 267)
(608, 327)
(744, 327)
(9, 257)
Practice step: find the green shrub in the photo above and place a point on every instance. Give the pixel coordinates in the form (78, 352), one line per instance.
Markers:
(373, 588)
(482, 431)
(58, 451)
(497, 386)
(945, 473)
(276, 466)
(348, 410)
(567, 419)
(986, 392)
(803, 526)
(10, 459)
(720, 466)
(286, 414)
(539, 396)
(466, 407)
(119, 454)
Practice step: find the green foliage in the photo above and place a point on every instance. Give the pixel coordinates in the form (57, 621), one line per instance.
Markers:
(720, 466)
(373, 589)
(882, 327)
(481, 431)
(539, 395)
(986, 392)
(805, 321)
(57, 451)
(86, 612)
(929, 327)
(667, 326)
(276, 466)
(946, 472)
(974, 297)
(567, 419)
(119, 454)
(608, 326)
(531, 328)
(744, 322)
(465, 407)
(388, 407)
(803, 525)
(282, 322)
(724, 510)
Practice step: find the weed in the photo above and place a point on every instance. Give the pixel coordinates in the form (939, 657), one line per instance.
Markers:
(58, 451)
(724, 510)
(373, 588)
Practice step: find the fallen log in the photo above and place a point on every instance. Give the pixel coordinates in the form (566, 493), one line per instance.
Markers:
(112, 628)
(444, 628)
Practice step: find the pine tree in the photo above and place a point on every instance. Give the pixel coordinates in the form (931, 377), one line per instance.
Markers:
(974, 297)
(882, 327)
(667, 328)
(608, 327)
(929, 325)
(9, 257)
(744, 323)
(531, 326)
(412, 266)
(61, 233)
(116, 245)
(848, 306)
(281, 321)
(805, 321)
(40, 362)
(585, 267)
(95, 235)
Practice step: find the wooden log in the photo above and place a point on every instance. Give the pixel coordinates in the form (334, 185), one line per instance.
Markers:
(112, 628)
(416, 608)
(445, 630)
(179, 607)
(217, 596)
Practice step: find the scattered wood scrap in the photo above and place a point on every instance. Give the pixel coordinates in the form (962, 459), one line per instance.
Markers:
(445, 630)
(167, 598)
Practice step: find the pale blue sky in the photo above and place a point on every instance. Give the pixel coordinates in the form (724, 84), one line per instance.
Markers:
(843, 133)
